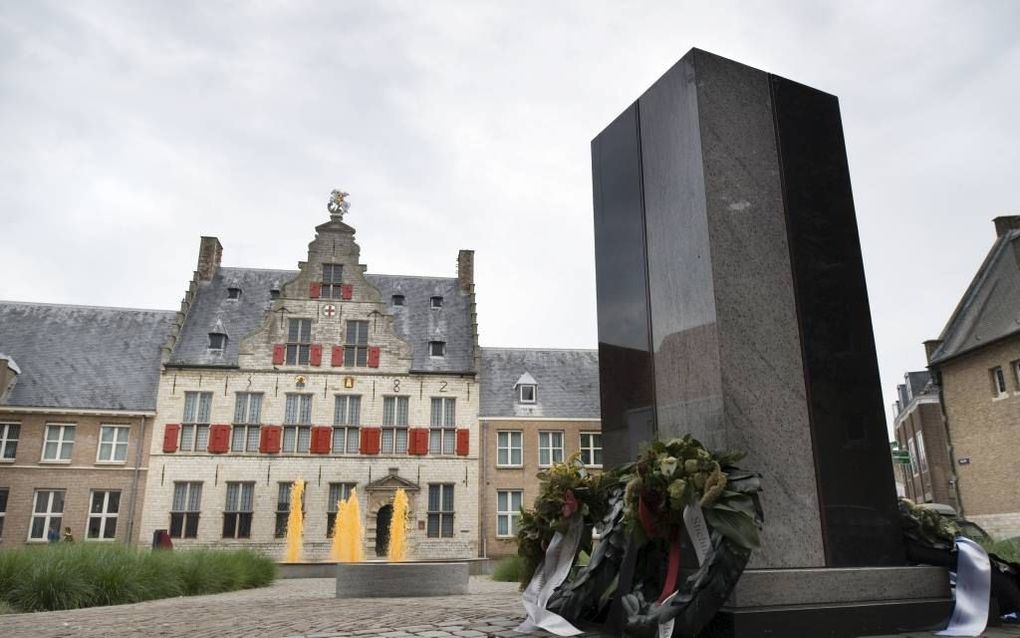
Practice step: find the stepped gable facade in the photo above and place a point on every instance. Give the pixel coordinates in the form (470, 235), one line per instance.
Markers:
(538, 407)
(77, 408)
(976, 365)
(329, 374)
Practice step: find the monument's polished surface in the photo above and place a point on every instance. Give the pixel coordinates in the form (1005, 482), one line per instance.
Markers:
(733, 306)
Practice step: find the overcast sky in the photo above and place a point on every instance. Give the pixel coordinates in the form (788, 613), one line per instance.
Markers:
(128, 130)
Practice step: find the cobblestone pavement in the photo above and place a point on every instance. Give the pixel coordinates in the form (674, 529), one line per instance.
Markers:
(293, 607)
(305, 608)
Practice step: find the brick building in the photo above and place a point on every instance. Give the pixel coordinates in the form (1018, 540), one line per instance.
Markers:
(329, 374)
(976, 362)
(77, 404)
(920, 429)
(538, 407)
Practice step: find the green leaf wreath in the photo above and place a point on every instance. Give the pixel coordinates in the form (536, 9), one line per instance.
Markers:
(638, 511)
(564, 489)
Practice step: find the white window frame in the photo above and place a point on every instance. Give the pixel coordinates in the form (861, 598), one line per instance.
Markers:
(60, 440)
(999, 382)
(242, 505)
(446, 511)
(534, 393)
(912, 448)
(244, 436)
(346, 423)
(48, 515)
(297, 424)
(590, 448)
(114, 444)
(510, 448)
(922, 456)
(6, 441)
(104, 516)
(191, 508)
(194, 426)
(548, 446)
(443, 426)
(509, 513)
(393, 439)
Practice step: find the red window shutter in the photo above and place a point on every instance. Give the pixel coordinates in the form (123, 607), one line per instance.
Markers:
(463, 442)
(337, 358)
(269, 439)
(315, 354)
(170, 434)
(373, 357)
(219, 438)
(321, 440)
(279, 352)
(347, 291)
(315, 289)
(419, 441)
(370, 440)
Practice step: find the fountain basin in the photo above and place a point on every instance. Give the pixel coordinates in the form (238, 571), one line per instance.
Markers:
(400, 580)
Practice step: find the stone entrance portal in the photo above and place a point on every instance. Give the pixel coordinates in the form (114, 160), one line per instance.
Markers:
(380, 509)
(382, 530)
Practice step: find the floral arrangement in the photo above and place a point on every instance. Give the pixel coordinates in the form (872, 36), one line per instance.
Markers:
(565, 490)
(672, 475)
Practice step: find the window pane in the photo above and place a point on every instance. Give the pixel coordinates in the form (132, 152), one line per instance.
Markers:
(515, 456)
(94, 524)
(503, 457)
(502, 502)
(502, 526)
(253, 438)
(352, 440)
(113, 502)
(449, 441)
(190, 406)
(289, 438)
(447, 531)
(195, 497)
(237, 439)
(204, 406)
(201, 437)
(433, 498)
(180, 496)
(304, 439)
(402, 403)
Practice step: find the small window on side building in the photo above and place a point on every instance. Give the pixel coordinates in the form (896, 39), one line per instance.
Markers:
(398, 300)
(436, 302)
(274, 293)
(233, 293)
(527, 393)
(998, 381)
(437, 348)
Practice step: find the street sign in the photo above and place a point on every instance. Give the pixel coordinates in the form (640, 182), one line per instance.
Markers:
(901, 456)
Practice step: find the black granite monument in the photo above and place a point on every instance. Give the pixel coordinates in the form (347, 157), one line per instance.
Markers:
(732, 306)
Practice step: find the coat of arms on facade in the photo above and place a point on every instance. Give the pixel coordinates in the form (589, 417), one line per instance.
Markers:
(338, 205)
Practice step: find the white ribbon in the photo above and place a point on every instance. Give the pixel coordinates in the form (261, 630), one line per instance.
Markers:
(559, 558)
(698, 532)
(973, 590)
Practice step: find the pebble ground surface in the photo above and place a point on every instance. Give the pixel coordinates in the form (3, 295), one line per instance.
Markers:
(306, 608)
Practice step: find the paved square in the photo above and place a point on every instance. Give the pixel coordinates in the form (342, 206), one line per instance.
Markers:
(305, 608)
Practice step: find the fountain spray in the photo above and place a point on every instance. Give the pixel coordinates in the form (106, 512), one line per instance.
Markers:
(398, 528)
(295, 522)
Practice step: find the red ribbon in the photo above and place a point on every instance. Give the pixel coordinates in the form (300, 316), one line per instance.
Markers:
(672, 568)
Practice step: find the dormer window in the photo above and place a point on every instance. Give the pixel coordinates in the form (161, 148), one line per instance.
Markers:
(436, 302)
(332, 281)
(527, 389)
(233, 293)
(398, 300)
(274, 293)
(437, 348)
(217, 342)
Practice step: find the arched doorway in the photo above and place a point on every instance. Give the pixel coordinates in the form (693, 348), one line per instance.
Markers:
(382, 530)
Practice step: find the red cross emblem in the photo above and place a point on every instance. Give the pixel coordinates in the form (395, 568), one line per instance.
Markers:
(329, 310)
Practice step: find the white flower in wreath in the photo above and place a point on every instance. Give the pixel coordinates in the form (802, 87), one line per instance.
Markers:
(668, 465)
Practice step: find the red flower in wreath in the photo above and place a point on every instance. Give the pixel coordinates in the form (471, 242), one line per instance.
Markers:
(569, 504)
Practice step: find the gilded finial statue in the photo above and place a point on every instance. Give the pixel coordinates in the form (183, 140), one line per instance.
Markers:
(338, 205)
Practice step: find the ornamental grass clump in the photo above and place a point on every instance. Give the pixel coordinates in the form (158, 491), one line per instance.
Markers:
(71, 576)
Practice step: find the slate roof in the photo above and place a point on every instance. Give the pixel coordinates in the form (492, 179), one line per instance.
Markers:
(418, 323)
(990, 308)
(83, 357)
(212, 307)
(415, 321)
(568, 383)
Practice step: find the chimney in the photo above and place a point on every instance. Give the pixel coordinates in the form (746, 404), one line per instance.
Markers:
(930, 346)
(466, 270)
(1006, 223)
(209, 254)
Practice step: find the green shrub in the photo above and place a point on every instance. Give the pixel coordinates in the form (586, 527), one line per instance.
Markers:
(69, 576)
(6, 608)
(508, 569)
